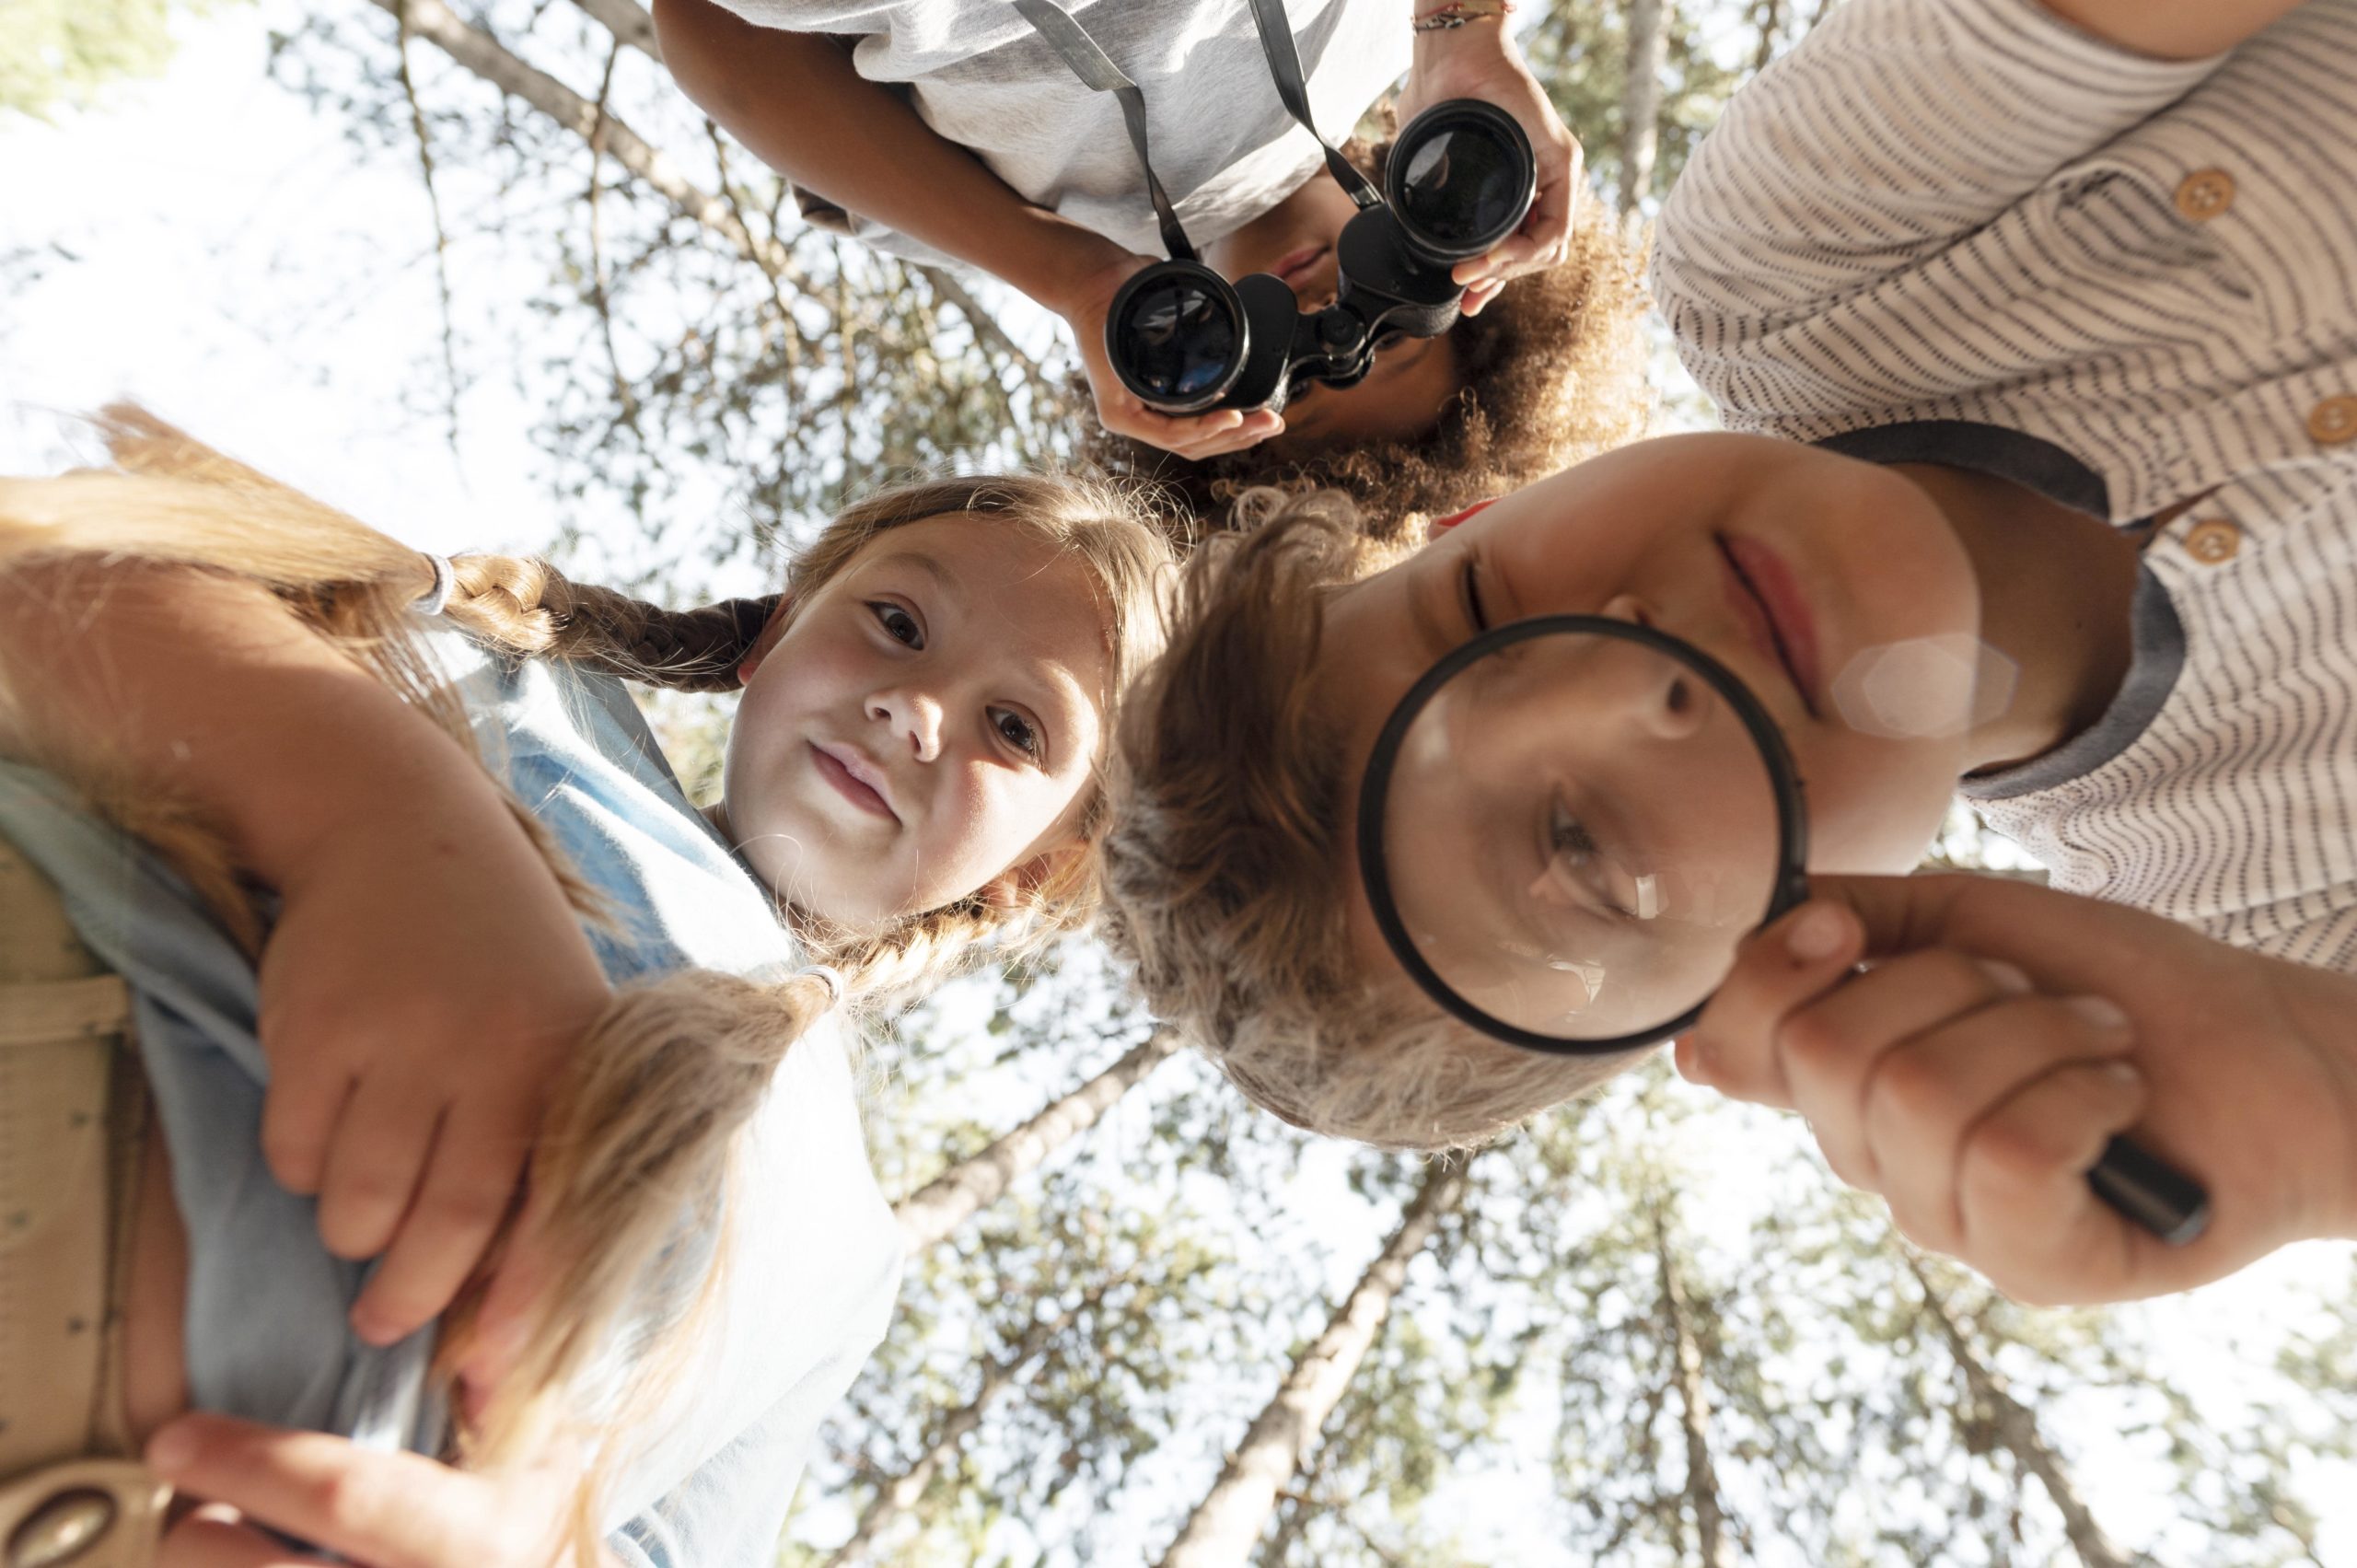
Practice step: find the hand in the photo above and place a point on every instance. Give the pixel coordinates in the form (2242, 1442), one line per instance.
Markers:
(2004, 1033)
(1480, 59)
(379, 1510)
(424, 982)
(1191, 437)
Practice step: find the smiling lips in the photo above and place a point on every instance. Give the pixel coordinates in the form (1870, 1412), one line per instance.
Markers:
(1299, 261)
(855, 778)
(1768, 600)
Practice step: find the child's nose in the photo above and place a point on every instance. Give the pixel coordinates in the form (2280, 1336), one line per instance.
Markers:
(914, 715)
(1667, 700)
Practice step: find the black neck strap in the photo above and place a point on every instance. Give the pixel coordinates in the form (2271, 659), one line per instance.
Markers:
(1099, 73)
(1284, 67)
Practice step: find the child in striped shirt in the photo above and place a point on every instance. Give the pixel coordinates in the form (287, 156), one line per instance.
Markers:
(2031, 323)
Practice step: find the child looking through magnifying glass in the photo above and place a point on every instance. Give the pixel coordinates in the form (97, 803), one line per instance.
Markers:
(2048, 495)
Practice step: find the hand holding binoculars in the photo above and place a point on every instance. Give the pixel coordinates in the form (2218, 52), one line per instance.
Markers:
(1184, 340)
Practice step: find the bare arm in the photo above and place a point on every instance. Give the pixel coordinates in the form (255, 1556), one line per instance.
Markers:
(2173, 29)
(425, 977)
(795, 99)
(207, 689)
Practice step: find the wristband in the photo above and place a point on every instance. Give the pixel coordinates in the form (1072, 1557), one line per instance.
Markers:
(1454, 14)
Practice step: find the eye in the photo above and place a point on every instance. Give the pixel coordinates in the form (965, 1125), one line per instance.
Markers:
(1579, 863)
(1016, 731)
(1389, 338)
(898, 623)
(1470, 586)
(1574, 845)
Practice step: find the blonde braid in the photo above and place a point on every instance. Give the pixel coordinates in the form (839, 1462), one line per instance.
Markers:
(528, 607)
(641, 1131)
(642, 1127)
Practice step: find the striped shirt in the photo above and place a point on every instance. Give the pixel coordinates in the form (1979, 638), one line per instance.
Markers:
(1963, 231)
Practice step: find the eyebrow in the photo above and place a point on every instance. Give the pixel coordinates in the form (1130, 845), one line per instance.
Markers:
(1071, 703)
(917, 558)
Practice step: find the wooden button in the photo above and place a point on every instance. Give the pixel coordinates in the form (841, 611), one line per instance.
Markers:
(2334, 421)
(2213, 542)
(2205, 194)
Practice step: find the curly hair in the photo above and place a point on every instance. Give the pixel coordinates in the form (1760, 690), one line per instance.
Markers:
(1222, 866)
(1554, 370)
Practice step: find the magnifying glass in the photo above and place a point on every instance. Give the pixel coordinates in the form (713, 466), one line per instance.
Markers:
(1569, 824)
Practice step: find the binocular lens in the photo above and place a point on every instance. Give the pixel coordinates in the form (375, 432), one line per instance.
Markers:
(1178, 338)
(1462, 181)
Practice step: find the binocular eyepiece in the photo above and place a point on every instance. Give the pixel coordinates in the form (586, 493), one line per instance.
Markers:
(1184, 340)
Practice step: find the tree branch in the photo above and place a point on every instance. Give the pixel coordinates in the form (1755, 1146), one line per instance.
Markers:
(487, 58)
(628, 21)
(433, 206)
(944, 1203)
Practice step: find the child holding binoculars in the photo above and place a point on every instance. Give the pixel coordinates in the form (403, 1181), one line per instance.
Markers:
(958, 131)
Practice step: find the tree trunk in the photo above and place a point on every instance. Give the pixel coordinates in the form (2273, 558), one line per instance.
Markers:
(1222, 1529)
(1640, 101)
(898, 1495)
(2017, 1433)
(487, 58)
(627, 20)
(1717, 1549)
(947, 1201)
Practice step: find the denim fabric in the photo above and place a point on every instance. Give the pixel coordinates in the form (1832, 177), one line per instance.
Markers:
(814, 1255)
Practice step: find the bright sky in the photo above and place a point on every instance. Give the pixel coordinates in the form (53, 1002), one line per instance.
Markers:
(211, 247)
(208, 245)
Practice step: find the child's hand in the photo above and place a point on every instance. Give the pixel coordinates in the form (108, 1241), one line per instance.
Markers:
(425, 981)
(2004, 1033)
(1191, 437)
(1480, 61)
(368, 1507)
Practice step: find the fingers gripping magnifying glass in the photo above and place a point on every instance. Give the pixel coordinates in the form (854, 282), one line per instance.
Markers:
(1569, 825)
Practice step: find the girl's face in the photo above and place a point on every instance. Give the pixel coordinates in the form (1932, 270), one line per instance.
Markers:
(1791, 567)
(1403, 395)
(925, 726)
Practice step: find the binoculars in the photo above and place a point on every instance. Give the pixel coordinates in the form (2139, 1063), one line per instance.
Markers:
(1184, 340)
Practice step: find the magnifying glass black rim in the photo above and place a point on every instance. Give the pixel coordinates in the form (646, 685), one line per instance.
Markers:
(1375, 785)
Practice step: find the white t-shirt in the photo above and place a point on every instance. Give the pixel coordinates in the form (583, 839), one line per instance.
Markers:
(1222, 144)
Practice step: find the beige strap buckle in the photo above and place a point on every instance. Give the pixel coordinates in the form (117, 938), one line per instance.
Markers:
(82, 1514)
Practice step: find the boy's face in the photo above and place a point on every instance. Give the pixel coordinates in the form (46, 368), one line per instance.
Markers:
(925, 725)
(1838, 559)
(1403, 395)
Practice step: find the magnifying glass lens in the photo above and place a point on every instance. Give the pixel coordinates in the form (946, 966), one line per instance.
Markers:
(1577, 829)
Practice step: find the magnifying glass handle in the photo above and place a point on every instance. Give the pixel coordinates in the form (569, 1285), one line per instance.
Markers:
(2151, 1191)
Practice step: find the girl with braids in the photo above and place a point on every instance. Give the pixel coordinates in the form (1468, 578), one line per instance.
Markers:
(397, 911)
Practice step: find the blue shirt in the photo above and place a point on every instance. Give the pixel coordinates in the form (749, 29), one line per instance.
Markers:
(814, 1253)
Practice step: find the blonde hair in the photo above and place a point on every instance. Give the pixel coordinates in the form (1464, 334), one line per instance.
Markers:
(528, 607)
(639, 1133)
(1222, 871)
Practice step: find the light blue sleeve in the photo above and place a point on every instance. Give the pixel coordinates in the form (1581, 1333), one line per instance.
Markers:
(266, 1331)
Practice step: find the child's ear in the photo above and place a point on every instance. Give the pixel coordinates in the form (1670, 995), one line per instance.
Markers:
(1017, 885)
(772, 630)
